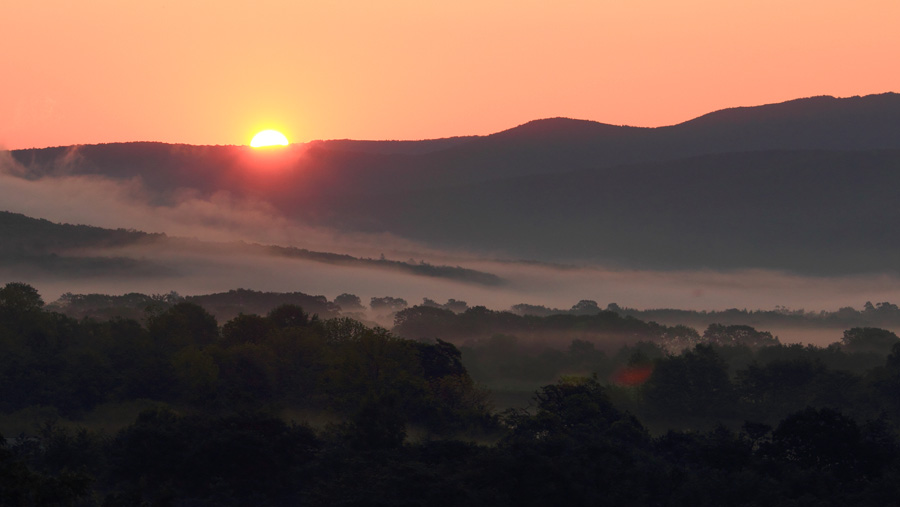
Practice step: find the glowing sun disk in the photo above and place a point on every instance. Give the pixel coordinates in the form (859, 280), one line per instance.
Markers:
(268, 138)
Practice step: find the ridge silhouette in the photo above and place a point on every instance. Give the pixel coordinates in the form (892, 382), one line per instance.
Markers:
(803, 186)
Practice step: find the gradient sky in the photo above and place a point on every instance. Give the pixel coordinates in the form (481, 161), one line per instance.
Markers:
(216, 72)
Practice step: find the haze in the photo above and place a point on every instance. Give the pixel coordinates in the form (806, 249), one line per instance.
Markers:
(715, 210)
(224, 218)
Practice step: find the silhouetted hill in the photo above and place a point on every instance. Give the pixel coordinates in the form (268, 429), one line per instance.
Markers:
(805, 211)
(31, 246)
(38, 245)
(26, 235)
(329, 168)
(228, 305)
(561, 144)
(802, 185)
(813, 111)
(392, 147)
(855, 123)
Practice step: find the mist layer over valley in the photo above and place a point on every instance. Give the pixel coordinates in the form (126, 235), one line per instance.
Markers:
(788, 205)
(564, 310)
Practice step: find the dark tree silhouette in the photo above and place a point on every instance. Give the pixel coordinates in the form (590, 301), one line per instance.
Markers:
(869, 339)
(19, 298)
(387, 304)
(247, 329)
(287, 316)
(349, 303)
(183, 324)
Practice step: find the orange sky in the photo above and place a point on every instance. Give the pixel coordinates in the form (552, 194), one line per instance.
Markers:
(214, 72)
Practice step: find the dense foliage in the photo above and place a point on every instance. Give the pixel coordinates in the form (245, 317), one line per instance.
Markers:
(735, 418)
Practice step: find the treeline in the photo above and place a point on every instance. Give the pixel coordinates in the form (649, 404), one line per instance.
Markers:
(40, 245)
(733, 417)
(480, 322)
(181, 356)
(227, 305)
(30, 236)
(417, 268)
(883, 314)
(223, 305)
(520, 319)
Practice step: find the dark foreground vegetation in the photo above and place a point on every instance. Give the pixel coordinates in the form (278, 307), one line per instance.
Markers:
(732, 417)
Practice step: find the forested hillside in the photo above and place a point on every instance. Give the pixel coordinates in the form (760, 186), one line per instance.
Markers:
(42, 247)
(668, 416)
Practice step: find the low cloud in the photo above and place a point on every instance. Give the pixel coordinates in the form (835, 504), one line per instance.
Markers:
(103, 202)
(222, 217)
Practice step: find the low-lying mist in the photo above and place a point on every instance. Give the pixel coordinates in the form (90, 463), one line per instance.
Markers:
(104, 202)
(224, 265)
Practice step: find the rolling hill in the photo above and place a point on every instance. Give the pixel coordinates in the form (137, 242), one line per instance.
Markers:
(32, 245)
(805, 185)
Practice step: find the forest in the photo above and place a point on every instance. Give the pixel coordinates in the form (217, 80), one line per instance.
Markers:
(278, 403)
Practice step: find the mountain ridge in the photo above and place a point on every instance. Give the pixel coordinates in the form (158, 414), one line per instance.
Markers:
(547, 189)
(879, 101)
(773, 210)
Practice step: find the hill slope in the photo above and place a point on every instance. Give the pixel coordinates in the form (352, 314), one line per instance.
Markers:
(803, 185)
(806, 211)
(37, 245)
(539, 147)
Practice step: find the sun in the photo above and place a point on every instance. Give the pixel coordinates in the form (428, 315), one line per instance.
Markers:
(268, 138)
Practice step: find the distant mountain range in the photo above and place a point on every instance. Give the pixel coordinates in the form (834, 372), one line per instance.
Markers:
(808, 186)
